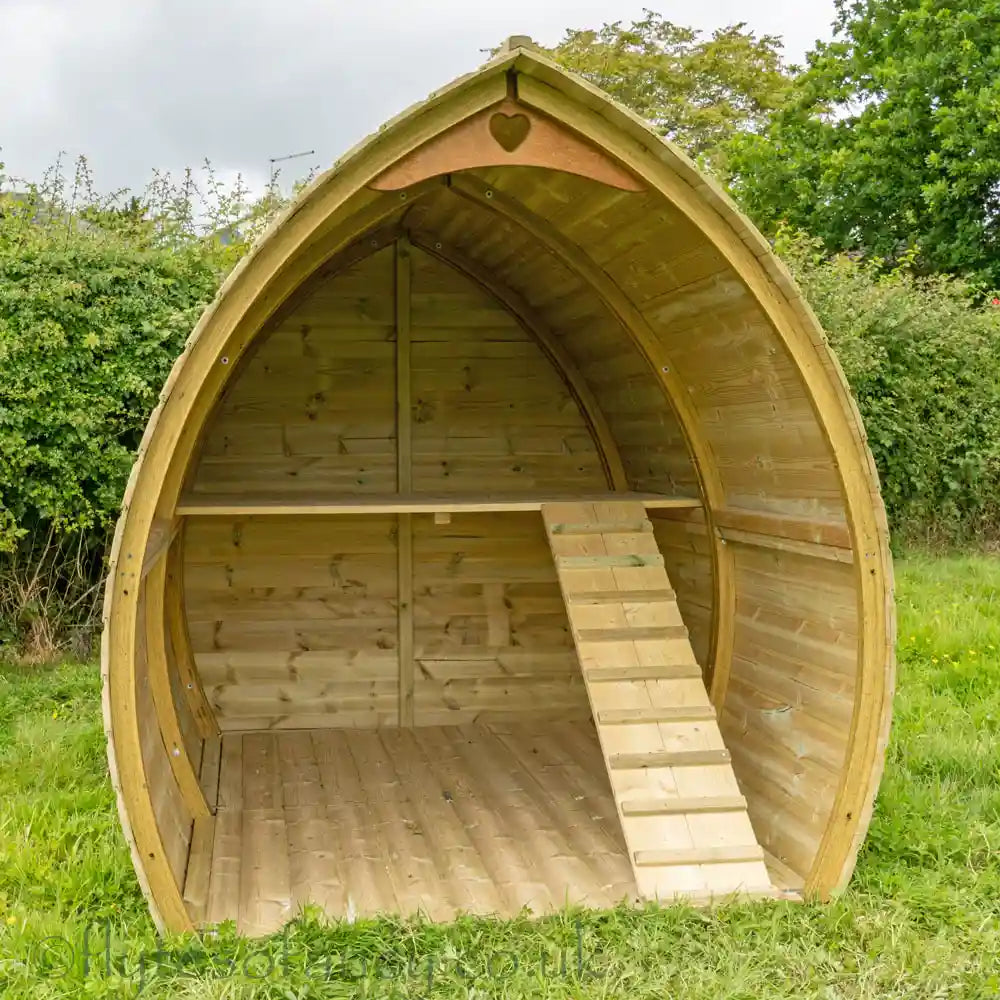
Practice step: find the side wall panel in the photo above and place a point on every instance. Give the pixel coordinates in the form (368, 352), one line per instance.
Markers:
(293, 620)
(313, 410)
(491, 634)
(787, 713)
(490, 413)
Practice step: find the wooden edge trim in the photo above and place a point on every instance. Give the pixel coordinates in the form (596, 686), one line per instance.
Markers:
(724, 623)
(180, 641)
(198, 875)
(184, 769)
(125, 762)
(836, 414)
(161, 537)
(637, 329)
(548, 342)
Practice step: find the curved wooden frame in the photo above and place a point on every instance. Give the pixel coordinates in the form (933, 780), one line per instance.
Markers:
(339, 207)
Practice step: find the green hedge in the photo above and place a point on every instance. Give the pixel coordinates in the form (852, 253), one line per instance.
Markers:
(90, 322)
(923, 361)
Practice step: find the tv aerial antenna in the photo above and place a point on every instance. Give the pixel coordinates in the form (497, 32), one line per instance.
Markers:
(273, 170)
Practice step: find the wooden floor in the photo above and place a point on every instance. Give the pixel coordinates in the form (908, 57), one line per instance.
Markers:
(479, 819)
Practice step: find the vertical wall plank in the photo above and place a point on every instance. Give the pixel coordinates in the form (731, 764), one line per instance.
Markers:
(404, 481)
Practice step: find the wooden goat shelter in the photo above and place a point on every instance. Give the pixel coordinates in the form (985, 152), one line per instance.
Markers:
(506, 536)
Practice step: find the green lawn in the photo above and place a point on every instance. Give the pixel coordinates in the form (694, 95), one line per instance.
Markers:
(919, 920)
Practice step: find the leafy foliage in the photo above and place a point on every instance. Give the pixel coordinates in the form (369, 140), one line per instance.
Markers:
(97, 296)
(697, 91)
(891, 142)
(924, 364)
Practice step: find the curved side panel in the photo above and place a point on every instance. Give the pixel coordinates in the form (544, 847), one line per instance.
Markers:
(747, 253)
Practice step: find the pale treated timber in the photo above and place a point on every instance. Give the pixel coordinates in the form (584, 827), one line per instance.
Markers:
(668, 175)
(662, 806)
(656, 672)
(801, 536)
(199, 868)
(667, 758)
(180, 642)
(664, 713)
(161, 537)
(621, 597)
(603, 529)
(184, 769)
(629, 561)
(651, 633)
(700, 856)
(645, 713)
(226, 506)
(560, 358)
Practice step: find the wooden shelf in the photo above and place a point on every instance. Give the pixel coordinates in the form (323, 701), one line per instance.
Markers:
(414, 503)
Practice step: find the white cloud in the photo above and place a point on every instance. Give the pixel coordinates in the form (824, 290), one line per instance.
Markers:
(138, 84)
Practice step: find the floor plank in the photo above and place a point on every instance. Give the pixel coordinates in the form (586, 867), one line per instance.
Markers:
(441, 820)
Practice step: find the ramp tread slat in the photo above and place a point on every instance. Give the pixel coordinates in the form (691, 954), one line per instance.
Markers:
(667, 758)
(621, 596)
(668, 714)
(648, 633)
(659, 672)
(669, 807)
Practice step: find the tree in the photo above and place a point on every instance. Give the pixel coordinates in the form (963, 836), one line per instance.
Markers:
(696, 91)
(891, 142)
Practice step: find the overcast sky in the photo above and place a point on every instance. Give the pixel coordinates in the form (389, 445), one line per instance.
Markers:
(138, 84)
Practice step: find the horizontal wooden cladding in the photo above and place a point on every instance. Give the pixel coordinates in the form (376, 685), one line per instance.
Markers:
(294, 622)
(490, 629)
(312, 408)
(518, 396)
(790, 700)
(290, 619)
(817, 537)
(261, 504)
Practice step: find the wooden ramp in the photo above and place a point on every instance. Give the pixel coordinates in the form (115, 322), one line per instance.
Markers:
(684, 819)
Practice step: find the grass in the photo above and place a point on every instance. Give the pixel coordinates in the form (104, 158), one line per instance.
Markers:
(920, 918)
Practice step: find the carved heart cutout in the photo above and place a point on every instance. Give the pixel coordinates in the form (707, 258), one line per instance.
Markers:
(509, 130)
